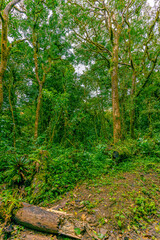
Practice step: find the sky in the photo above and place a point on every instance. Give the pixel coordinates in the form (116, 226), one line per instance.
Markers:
(151, 2)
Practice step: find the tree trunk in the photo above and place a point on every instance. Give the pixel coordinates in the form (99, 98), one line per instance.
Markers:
(1, 89)
(38, 110)
(4, 55)
(4, 41)
(40, 82)
(123, 110)
(132, 112)
(13, 119)
(115, 95)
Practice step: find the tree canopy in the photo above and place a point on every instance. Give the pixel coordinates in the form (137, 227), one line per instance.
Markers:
(42, 42)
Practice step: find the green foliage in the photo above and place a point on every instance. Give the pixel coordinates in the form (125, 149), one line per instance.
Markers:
(49, 171)
(59, 169)
(77, 231)
(6, 153)
(120, 219)
(17, 171)
(126, 148)
(10, 202)
(144, 209)
(147, 146)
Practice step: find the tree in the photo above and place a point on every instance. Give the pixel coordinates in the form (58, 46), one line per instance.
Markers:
(142, 63)
(104, 28)
(108, 49)
(45, 34)
(5, 49)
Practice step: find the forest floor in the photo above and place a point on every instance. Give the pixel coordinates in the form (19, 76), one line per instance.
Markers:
(125, 205)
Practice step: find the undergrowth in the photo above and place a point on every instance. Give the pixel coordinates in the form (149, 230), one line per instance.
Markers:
(46, 172)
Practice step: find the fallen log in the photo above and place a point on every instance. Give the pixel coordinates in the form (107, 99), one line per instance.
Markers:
(56, 222)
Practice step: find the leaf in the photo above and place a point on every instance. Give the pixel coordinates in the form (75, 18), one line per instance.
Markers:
(119, 223)
(77, 231)
(100, 235)
(129, 228)
(157, 228)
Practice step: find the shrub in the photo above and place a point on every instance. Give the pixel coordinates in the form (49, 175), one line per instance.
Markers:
(17, 171)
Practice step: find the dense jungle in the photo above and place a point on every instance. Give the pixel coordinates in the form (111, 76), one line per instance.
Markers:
(79, 119)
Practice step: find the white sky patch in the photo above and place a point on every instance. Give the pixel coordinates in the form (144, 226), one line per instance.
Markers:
(80, 68)
(151, 2)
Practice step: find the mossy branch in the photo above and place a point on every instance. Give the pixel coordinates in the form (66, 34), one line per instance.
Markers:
(10, 6)
(1, 17)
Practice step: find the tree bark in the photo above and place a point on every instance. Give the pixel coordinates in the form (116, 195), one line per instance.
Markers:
(55, 222)
(115, 95)
(13, 119)
(38, 110)
(4, 50)
(132, 112)
(4, 54)
(40, 83)
(122, 102)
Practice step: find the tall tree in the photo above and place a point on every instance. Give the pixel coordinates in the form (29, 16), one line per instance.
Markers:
(45, 34)
(40, 82)
(5, 49)
(103, 26)
(103, 34)
(143, 52)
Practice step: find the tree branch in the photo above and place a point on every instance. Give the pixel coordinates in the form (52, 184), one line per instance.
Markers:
(98, 45)
(35, 56)
(14, 43)
(10, 6)
(125, 64)
(148, 76)
(1, 17)
(95, 7)
(127, 7)
(150, 35)
(19, 10)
